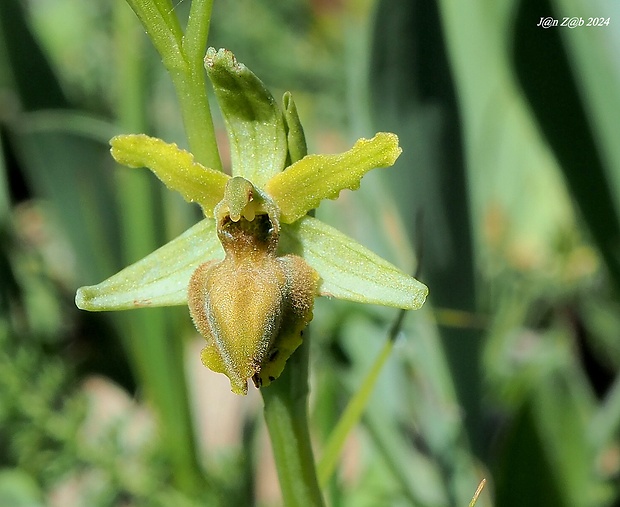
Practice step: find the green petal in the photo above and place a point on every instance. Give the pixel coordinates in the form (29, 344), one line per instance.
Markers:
(307, 182)
(295, 137)
(253, 119)
(174, 166)
(348, 270)
(159, 279)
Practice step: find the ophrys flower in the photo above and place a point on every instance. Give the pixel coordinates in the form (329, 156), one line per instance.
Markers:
(251, 269)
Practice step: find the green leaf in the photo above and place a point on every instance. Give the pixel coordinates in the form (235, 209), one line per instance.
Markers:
(415, 97)
(253, 119)
(351, 416)
(23, 65)
(549, 83)
(348, 270)
(307, 182)
(174, 166)
(59, 166)
(159, 279)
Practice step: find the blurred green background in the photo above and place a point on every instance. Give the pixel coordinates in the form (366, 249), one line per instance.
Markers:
(507, 193)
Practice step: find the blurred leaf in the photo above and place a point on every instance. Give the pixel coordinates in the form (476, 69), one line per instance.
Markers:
(70, 171)
(518, 198)
(25, 65)
(64, 161)
(57, 153)
(593, 57)
(5, 203)
(153, 337)
(550, 454)
(414, 97)
(18, 489)
(606, 424)
(563, 407)
(545, 73)
(355, 408)
(388, 417)
(523, 476)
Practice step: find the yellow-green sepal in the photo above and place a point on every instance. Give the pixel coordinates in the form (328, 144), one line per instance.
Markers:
(349, 270)
(159, 279)
(253, 120)
(173, 166)
(307, 182)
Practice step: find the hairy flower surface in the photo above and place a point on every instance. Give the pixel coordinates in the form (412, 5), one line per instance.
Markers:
(250, 270)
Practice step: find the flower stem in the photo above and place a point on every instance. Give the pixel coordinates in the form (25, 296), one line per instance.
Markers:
(182, 55)
(286, 415)
(190, 86)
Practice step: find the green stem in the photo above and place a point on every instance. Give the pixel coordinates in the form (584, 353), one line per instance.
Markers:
(191, 87)
(286, 415)
(182, 55)
(162, 27)
(191, 91)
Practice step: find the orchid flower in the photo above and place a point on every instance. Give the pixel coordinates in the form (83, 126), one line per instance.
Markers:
(250, 270)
